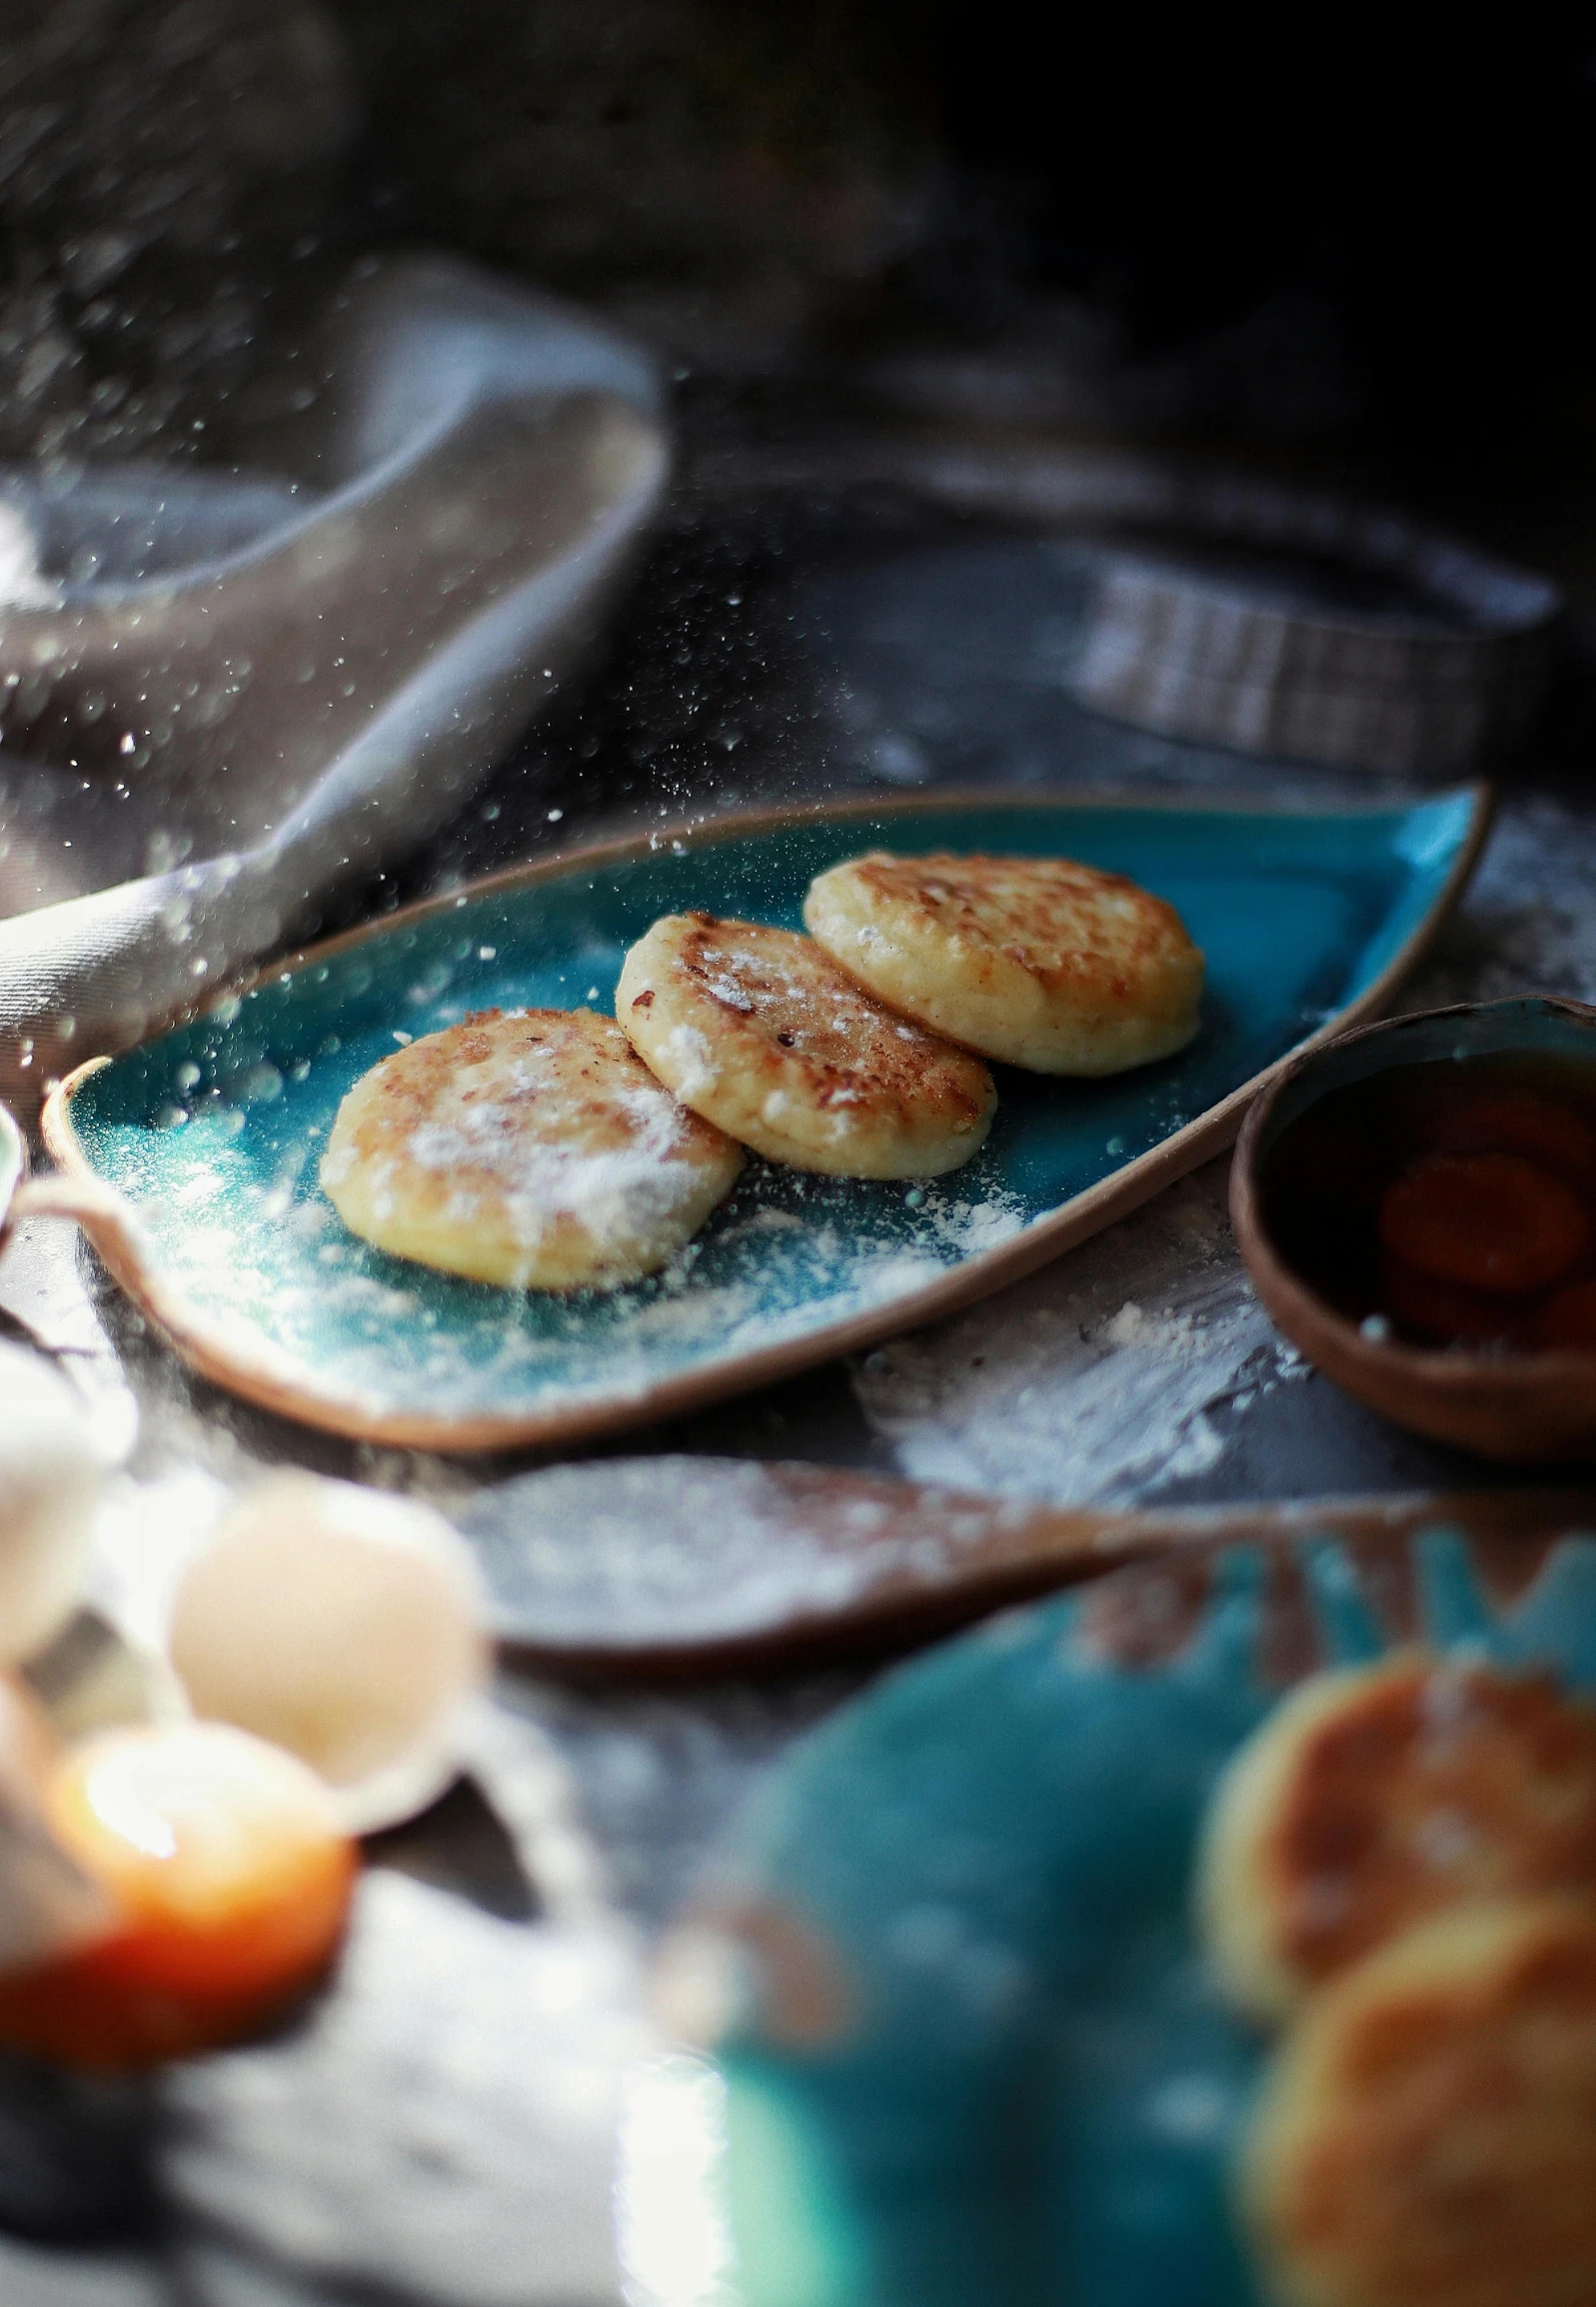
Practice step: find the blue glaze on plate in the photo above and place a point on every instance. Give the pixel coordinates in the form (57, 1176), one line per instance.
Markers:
(214, 1131)
(1028, 2091)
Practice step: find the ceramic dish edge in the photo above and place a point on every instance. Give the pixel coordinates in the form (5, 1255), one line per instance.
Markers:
(265, 1381)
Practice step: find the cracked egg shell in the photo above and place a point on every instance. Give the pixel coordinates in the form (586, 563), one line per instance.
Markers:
(344, 1625)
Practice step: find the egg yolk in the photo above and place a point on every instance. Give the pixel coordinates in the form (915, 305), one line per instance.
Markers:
(1567, 1320)
(1490, 1221)
(233, 1882)
(1439, 1309)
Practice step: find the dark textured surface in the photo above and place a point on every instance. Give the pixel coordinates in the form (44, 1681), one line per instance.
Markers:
(853, 631)
(170, 169)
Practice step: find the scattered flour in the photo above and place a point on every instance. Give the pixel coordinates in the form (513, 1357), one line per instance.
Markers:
(634, 1549)
(299, 1296)
(1094, 1381)
(1528, 922)
(482, 2059)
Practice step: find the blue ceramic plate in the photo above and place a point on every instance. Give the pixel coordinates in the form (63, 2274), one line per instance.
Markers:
(211, 1133)
(980, 2057)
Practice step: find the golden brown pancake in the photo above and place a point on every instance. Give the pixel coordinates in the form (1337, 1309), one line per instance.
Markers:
(1377, 1796)
(528, 1148)
(1035, 960)
(1427, 2136)
(760, 1032)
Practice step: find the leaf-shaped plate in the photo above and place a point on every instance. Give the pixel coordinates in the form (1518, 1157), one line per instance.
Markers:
(971, 2049)
(208, 1137)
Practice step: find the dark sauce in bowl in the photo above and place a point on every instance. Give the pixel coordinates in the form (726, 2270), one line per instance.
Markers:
(1448, 1204)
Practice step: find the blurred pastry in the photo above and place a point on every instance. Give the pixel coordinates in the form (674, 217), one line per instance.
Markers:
(1427, 2136)
(1035, 960)
(760, 1032)
(1378, 1795)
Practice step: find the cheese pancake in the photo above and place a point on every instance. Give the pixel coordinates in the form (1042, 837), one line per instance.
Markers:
(1427, 2137)
(1035, 960)
(528, 1148)
(760, 1032)
(1378, 1795)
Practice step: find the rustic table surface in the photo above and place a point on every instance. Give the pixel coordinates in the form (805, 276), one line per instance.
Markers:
(438, 2132)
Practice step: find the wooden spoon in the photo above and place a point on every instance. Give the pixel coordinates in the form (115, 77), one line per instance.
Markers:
(661, 1567)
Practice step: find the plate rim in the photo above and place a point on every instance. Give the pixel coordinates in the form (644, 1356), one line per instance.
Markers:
(264, 1380)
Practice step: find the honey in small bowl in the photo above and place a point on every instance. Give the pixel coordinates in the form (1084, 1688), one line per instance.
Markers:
(1447, 1202)
(1416, 1206)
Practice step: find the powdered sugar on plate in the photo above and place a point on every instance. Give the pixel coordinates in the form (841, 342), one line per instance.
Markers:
(1100, 1379)
(251, 1241)
(215, 1132)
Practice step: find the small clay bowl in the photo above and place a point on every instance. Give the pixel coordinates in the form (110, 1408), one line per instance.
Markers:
(1517, 1406)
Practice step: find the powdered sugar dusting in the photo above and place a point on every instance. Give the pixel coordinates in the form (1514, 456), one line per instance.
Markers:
(617, 1549)
(693, 1060)
(617, 1191)
(638, 1550)
(252, 1242)
(1097, 1380)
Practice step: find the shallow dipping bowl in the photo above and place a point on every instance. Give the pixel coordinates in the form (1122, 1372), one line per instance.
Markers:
(1518, 1406)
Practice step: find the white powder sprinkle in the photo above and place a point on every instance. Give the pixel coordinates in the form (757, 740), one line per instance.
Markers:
(619, 1190)
(1070, 1387)
(690, 1054)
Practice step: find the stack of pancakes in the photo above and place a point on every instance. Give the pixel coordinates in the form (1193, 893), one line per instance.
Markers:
(1400, 1869)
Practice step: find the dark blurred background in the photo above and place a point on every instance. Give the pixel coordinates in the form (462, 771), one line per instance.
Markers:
(1354, 263)
(1347, 263)
(1172, 228)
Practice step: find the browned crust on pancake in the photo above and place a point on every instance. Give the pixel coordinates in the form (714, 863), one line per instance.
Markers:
(1433, 1783)
(1041, 961)
(770, 1039)
(1428, 2135)
(1044, 915)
